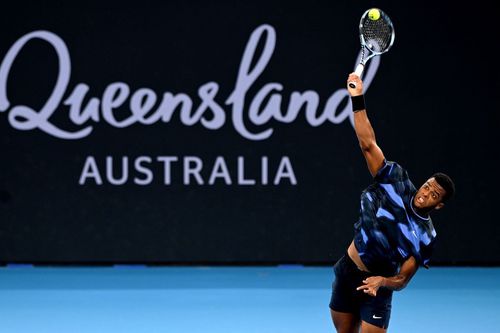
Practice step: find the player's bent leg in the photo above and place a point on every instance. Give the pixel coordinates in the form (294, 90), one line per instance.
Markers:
(369, 328)
(345, 322)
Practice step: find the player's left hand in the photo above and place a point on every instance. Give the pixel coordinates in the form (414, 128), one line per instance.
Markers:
(371, 285)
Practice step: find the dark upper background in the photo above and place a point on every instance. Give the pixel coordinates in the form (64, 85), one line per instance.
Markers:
(432, 104)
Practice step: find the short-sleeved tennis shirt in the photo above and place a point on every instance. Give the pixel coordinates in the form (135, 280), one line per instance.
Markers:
(389, 230)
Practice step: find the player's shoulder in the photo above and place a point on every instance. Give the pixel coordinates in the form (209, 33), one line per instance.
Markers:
(391, 171)
(394, 164)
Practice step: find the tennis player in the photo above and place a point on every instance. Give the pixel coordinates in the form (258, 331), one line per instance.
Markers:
(392, 238)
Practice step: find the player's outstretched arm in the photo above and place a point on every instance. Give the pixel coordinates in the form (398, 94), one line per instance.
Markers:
(364, 131)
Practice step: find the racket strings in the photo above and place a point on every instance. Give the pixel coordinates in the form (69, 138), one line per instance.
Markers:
(377, 34)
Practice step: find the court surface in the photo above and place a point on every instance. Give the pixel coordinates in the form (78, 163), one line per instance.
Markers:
(230, 299)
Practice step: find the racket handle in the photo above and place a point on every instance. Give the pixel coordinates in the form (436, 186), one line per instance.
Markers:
(358, 72)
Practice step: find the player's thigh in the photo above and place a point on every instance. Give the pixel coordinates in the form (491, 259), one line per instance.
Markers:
(345, 322)
(369, 328)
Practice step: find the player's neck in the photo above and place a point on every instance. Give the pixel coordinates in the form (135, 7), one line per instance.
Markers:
(422, 213)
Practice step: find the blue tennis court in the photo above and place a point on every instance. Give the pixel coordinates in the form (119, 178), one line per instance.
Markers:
(230, 299)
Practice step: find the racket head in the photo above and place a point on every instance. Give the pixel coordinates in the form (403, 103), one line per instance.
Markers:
(376, 35)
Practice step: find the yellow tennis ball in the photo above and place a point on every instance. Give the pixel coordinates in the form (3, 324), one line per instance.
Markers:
(374, 14)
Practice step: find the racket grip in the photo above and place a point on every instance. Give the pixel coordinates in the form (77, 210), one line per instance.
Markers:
(358, 72)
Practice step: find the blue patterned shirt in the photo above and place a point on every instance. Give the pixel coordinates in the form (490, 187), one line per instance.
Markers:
(389, 230)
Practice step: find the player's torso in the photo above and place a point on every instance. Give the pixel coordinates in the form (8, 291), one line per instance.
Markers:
(389, 227)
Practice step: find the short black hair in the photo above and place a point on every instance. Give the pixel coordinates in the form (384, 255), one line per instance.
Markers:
(446, 183)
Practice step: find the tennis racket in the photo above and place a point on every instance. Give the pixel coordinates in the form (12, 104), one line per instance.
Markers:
(376, 34)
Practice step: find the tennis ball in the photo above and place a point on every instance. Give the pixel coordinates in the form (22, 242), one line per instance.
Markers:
(374, 14)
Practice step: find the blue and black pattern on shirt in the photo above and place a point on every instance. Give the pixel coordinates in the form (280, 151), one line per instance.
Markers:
(389, 230)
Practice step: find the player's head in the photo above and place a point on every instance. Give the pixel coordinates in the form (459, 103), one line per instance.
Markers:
(434, 192)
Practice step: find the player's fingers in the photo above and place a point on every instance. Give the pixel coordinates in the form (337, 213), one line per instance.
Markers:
(352, 77)
(370, 292)
(370, 280)
(354, 81)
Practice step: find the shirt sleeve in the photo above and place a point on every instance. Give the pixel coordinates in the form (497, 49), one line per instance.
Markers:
(390, 172)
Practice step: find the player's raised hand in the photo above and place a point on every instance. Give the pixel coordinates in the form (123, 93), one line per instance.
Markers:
(357, 88)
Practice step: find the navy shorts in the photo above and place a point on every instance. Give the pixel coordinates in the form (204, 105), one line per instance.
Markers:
(345, 298)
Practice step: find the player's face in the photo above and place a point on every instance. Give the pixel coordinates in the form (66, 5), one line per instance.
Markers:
(429, 196)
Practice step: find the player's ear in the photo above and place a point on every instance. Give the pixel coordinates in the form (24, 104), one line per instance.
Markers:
(439, 206)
